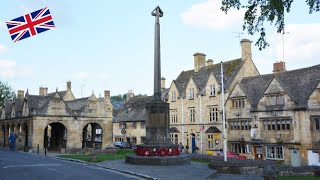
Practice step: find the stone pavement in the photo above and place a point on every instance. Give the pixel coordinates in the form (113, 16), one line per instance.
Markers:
(178, 172)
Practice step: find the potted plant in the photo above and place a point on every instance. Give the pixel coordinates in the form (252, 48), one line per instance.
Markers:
(187, 149)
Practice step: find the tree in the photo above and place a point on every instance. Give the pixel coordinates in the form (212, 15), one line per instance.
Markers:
(118, 98)
(6, 93)
(260, 11)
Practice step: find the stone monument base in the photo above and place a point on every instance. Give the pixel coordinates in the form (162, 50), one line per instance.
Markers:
(158, 160)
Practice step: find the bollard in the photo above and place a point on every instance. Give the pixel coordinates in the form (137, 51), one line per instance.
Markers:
(45, 151)
(38, 149)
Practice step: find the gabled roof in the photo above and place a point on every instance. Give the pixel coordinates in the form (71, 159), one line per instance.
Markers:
(19, 106)
(134, 109)
(200, 78)
(38, 102)
(77, 104)
(164, 94)
(299, 84)
(254, 87)
(61, 93)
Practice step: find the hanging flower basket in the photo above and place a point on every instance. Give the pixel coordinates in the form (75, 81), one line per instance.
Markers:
(279, 140)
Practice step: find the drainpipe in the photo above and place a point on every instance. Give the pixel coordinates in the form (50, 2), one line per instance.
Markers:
(182, 123)
(201, 129)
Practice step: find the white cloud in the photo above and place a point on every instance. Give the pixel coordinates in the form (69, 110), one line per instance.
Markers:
(81, 76)
(301, 48)
(10, 70)
(3, 48)
(5, 64)
(209, 15)
(301, 44)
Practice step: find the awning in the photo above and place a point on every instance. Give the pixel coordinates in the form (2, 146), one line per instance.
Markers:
(213, 129)
(174, 130)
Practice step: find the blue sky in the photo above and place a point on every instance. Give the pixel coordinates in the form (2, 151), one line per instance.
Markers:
(109, 44)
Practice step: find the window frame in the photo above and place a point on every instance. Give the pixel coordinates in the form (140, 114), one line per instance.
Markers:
(273, 152)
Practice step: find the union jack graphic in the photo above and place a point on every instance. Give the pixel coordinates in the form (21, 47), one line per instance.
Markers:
(30, 24)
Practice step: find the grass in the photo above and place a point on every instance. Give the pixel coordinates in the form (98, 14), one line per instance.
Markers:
(121, 154)
(298, 178)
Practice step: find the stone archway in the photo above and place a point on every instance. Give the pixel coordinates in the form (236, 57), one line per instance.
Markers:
(3, 134)
(92, 136)
(24, 136)
(7, 133)
(55, 137)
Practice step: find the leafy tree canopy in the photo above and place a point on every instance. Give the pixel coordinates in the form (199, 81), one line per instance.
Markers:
(118, 98)
(260, 11)
(6, 93)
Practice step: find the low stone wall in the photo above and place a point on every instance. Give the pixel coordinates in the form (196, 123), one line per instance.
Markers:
(265, 168)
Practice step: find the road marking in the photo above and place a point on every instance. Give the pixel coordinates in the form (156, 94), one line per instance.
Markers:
(31, 165)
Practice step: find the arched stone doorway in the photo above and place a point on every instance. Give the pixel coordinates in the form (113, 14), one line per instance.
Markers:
(55, 137)
(7, 133)
(92, 136)
(3, 134)
(24, 136)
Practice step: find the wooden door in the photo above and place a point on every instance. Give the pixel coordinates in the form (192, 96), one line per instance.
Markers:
(258, 152)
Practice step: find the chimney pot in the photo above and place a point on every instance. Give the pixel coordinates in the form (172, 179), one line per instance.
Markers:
(279, 67)
(246, 49)
(107, 95)
(163, 83)
(20, 94)
(69, 85)
(209, 62)
(199, 61)
(43, 91)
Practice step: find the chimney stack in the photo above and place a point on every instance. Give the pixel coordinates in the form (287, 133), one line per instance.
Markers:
(209, 62)
(129, 95)
(43, 91)
(279, 67)
(106, 95)
(199, 61)
(20, 94)
(69, 85)
(246, 49)
(163, 83)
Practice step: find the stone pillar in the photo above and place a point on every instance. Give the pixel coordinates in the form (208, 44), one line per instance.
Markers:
(157, 123)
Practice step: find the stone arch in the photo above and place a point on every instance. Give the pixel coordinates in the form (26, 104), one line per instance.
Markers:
(24, 136)
(12, 128)
(3, 134)
(55, 137)
(92, 134)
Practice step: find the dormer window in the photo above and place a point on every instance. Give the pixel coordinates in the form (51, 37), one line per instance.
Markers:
(275, 99)
(173, 96)
(191, 93)
(212, 90)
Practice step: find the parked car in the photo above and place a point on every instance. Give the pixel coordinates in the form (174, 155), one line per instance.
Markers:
(233, 155)
(121, 144)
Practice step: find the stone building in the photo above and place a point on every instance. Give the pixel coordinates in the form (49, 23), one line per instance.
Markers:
(276, 116)
(57, 121)
(129, 122)
(195, 99)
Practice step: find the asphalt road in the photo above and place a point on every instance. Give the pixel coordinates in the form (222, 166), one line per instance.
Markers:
(24, 166)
